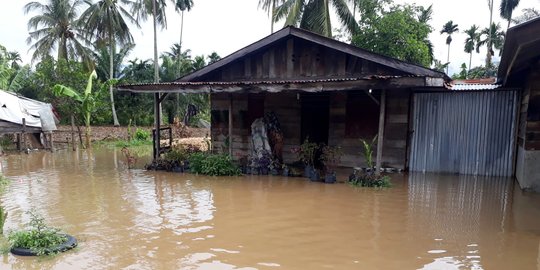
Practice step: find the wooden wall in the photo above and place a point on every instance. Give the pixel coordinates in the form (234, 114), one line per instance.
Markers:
(287, 107)
(530, 131)
(294, 59)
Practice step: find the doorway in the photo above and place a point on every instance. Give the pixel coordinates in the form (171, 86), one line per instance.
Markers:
(315, 117)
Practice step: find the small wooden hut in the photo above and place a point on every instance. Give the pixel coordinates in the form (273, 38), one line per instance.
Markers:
(332, 92)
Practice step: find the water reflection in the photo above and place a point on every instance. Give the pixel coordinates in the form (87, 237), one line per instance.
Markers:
(135, 219)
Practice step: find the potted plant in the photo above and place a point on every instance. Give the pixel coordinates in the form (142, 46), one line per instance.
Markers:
(284, 170)
(331, 157)
(263, 162)
(306, 154)
(39, 239)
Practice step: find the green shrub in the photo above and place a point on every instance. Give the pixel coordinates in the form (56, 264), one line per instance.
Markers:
(370, 180)
(212, 164)
(39, 237)
(142, 135)
(177, 155)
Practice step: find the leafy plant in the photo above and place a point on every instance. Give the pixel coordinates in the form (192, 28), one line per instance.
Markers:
(368, 151)
(212, 164)
(370, 180)
(142, 135)
(39, 237)
(3, 217)
(177, 155)
(306, 152)
(87, 101)
(330, 157)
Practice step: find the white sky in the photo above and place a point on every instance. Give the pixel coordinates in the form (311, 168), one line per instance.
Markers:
(227, 26)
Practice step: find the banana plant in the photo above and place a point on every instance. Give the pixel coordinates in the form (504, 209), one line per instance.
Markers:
(87, 101)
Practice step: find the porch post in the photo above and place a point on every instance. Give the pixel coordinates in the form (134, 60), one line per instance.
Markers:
(380, 136)
(157, 122)
(230, 125)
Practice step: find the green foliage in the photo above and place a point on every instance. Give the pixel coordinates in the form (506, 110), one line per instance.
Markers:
(212, 164)
(330, 157)
(177, 155)
(370, 180)
(368, 151)
(3, 217)
(462, 73)
(39, 237)
(397, 32)
(142, 135)
(483, 72)
(306, 152)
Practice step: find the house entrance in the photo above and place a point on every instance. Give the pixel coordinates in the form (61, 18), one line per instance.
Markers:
(315, 117)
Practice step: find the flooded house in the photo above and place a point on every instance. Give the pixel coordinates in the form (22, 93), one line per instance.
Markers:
(337, 94)
(520, 68)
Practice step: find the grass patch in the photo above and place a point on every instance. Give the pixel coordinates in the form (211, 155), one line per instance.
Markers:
(212, 164)
(370, 180)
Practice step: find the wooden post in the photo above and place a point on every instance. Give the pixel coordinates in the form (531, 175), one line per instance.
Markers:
(19, 142)
(73, 132)
(51, 140)
(157, 122)
(380, 136)
(24, 133)
(230, 125)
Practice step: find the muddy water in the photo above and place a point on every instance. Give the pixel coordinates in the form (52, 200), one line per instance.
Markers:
(133, 219)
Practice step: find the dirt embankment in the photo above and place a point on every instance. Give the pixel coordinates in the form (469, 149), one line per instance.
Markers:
(101, 133)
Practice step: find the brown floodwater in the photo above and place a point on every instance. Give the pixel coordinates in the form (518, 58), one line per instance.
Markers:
(136, 219)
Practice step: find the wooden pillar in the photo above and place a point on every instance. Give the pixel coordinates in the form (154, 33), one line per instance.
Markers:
(380, 136)
(230, 125)
(51, 140)
(25, 145)
(157, 123)
(73, 132)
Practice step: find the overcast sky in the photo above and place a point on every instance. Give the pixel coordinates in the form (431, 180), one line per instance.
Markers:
(227, 26)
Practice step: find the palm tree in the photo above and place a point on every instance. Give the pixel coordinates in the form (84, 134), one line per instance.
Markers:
(449, 28)
(270, 7)
(314, 15)
(56, 26)
(493, 39)
(182, 5)
(425, 16)
(506, 9)
(14, 58)
(470, 42)
(105, 22)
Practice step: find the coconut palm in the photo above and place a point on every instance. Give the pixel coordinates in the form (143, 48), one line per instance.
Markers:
(314, 15)
(107, 23)
(270, 7)
(56, 26)
(449, 28)
(492, 38)
(470, 42)
(506, 9)
(181, 6)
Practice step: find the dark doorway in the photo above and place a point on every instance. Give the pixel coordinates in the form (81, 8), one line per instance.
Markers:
(315, 117)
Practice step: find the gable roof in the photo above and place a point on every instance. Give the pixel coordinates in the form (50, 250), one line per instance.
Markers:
(521, 49)
(291, 31)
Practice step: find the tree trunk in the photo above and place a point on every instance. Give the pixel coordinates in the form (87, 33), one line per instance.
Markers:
(272, 13)
(488, 56)
(156, 63)
(181, 31)
(470, 61)
(448, 59)
(111, 76)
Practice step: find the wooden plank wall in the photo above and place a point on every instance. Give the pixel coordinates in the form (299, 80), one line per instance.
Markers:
(297, 59)
(531, 130)
(288, 110)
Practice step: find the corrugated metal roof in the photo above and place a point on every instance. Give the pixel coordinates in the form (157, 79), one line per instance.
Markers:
(473, 87)
(309, 85)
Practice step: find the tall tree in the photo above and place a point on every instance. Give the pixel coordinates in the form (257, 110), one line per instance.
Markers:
(181, 6)
(449, 28)
(56, 26)
(506, 9)
(270, 7)
(492, 38)
(107, 22)
(314, 15)
(488, 55)
(526, 15)
(396, 32)
(470, 42)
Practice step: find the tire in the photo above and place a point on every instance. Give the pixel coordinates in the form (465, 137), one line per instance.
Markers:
(70, 243)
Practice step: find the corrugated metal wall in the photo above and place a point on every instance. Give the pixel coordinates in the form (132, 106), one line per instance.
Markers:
(464, 132)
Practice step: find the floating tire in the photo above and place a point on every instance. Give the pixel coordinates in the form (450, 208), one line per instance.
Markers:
(70, 243)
